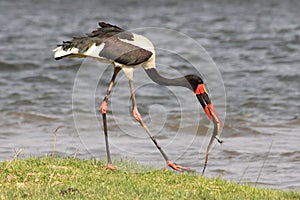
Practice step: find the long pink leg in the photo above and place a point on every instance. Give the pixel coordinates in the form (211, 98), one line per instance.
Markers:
(138, 117)
(103, 109)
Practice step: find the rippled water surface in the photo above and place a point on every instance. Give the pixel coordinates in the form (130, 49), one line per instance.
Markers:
(255, 45)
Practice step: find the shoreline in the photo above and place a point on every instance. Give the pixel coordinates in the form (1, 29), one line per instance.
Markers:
(60, 178)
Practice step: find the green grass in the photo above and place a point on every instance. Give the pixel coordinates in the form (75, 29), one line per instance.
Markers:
(68, 178)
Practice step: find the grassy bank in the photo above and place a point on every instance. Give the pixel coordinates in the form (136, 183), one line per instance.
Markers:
(67, 178)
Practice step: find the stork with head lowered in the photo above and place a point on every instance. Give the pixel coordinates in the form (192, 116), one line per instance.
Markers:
(127, 51)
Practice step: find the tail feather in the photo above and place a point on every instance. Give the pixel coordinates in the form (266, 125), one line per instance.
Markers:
(76, 46)
(60, 52)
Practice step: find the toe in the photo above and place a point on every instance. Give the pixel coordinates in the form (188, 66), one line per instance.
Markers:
(110, 167)
(176, 167)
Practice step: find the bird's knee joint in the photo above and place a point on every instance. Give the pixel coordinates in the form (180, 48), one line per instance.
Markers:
(103, 107)
(136, 115)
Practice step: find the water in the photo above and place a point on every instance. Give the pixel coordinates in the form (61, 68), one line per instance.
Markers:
(254, 44)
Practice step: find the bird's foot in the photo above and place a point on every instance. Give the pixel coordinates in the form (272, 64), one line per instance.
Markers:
(136, 114)
(175, 166)
(110, 167)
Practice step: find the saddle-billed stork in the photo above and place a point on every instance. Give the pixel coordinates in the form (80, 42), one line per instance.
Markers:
(126, 51)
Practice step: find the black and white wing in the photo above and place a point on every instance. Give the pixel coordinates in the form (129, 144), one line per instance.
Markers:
(108, 43)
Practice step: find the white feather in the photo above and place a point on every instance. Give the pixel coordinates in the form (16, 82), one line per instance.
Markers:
(128, 72)
(94, 50)
(145, 43)
(140, 41)
(59, 52)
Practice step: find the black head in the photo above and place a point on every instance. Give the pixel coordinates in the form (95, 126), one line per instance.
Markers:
(197, 85)
(193, 81)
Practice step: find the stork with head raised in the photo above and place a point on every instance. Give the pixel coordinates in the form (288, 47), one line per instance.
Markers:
(127, 51)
